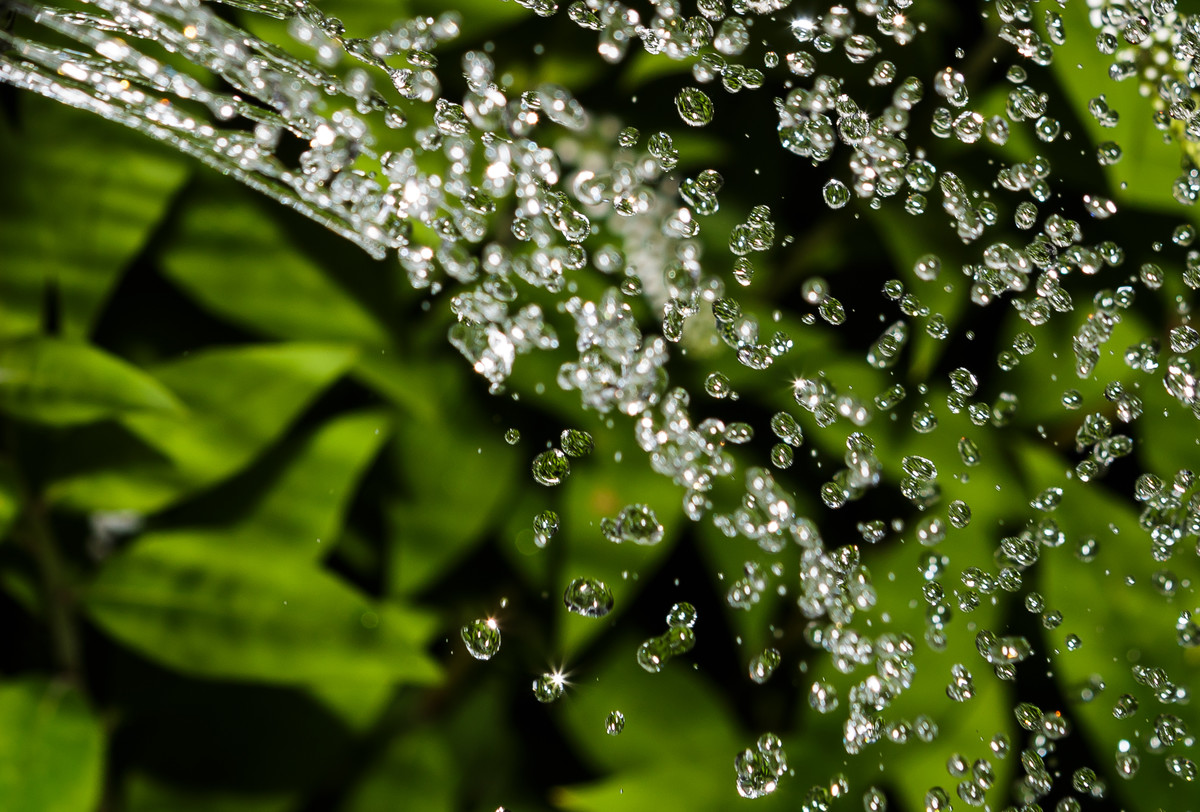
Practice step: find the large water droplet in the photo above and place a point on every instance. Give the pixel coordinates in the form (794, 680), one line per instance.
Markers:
(482, 638)
(694, 106)
(551, 467)
(588, 597)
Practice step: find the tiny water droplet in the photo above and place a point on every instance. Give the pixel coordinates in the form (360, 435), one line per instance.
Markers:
(549, 686)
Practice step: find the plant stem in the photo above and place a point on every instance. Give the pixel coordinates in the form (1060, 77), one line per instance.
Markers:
(60, 599)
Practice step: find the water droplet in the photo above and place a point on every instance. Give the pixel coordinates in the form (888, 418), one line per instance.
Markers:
(512, 436)
(549, 686)
(588, 597)
(1181, 767)
(614, 723)
(694, 106)
(482, 638)
(576, 443)
(760, 768)
(551, 467)
(635, 523)
(823, 697)
(717, 385)
(545, 525)
(959, 514)
(764, 665)
(681, 615)
(835, 194)
(1125, 706)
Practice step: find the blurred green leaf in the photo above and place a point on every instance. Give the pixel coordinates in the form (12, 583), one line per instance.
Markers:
(403, 382)
(48, 380)
(456, 478)
(239, 399)
(599, 488)
(642, 67)
(1121, 621)
(303, 510)
(416, 773)
(51, 749)
(357, 704)
(676, 750)
(248, 613)
(1150, 165)
(79, 204)
(697, 787)
(677, 699)
(239, 263)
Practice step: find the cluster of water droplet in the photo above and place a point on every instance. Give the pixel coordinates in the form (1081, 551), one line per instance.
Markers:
(759, 768)
(653, 654)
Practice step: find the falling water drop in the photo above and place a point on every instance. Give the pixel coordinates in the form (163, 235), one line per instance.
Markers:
(482, 638)
(694, 106)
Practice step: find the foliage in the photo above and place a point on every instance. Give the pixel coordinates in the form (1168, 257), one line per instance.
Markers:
(249, 493)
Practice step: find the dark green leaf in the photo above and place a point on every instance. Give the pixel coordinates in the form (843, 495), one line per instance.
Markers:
(456, 478)
(10, 499)
(1122, 621)
(357, 704)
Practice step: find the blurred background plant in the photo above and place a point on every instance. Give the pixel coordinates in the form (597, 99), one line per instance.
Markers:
(250, 494)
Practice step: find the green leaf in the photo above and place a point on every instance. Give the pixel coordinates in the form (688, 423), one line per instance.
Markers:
(247, 613)
(1122, 620)
(457, 477)
(304, 508)
(1149, 167)
(48, 380)
(79, 204)
(678, 699)
(417, 773)
(51, 749)
(599, 488)
(357, 704)
(691, 768)
(240, 400)
(238, 262)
